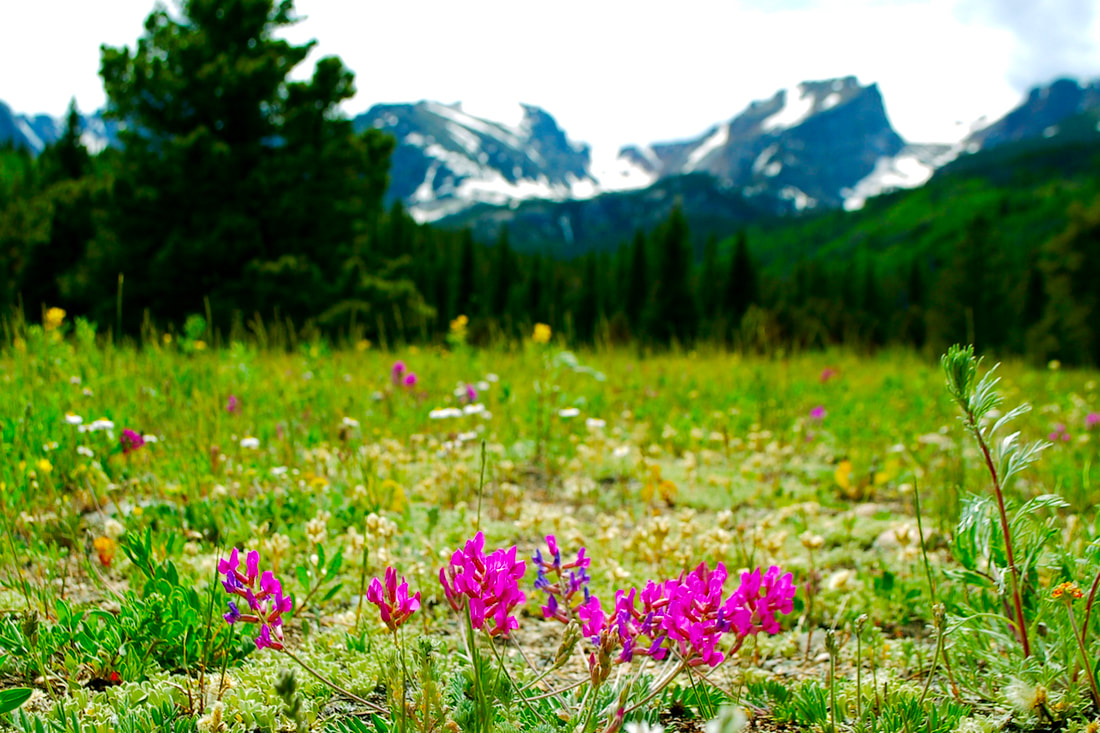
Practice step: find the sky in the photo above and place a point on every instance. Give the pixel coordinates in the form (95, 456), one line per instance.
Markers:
(616, 72)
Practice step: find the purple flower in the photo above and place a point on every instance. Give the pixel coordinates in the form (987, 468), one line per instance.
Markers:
(559, 586)
(410, 380)
(818, 413)
(233, 405)
(131, 441)
(471, 394)
(488, 586)
(266, 602)
(397, 372)
(1092, 420)
(828, 373)
(393, 601)
(1059, 433)
(753, 607)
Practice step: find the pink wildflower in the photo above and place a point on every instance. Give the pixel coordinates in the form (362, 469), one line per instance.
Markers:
(1059, 433)
(828, 373)
(233, 405)
(393, 601)
(410, 380)
(397, 372)
(130, 441)
(266, 603)
(753, 606)
(1092, 420)
(818, 413)
(488, 586)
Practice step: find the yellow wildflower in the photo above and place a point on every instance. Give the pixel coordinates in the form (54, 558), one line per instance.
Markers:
(54, 318)
(541, 334)
(44, 466)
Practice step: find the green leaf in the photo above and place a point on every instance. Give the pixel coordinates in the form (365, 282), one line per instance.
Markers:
(379, 724)
(332, 592)
(303, 576)
(13, 697)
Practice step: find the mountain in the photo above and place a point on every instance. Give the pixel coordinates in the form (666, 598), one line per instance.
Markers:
(808, 144)
(447, 160)
(1040, 114)
(35, 133)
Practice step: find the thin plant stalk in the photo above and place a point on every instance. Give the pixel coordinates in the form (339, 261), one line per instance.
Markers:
(1006, 530)
(1080, 639)
(325, 681)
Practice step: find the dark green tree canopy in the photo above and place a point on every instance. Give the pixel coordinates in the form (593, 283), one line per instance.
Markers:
(230, 173)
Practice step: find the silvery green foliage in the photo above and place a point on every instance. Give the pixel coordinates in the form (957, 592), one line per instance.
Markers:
(977, 398)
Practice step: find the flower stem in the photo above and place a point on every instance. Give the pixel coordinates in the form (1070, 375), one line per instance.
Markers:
(1080, 639)
(317, 675)
(1006, 530)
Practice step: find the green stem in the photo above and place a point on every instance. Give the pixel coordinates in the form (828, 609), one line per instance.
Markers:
(1006, 530)
(1077, 636)
(323, 680)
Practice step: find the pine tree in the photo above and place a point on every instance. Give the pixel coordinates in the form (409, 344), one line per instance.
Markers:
(709, 281)
(466, 278)
(504, 276)
(741, 289)
(671, 313)
(234, 181)
(637, 285)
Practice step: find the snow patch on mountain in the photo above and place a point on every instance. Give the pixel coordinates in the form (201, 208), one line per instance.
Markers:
(798, 103)
(716, 140)
(908, 169)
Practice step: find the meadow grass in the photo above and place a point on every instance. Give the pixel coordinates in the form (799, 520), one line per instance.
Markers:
(333, 470)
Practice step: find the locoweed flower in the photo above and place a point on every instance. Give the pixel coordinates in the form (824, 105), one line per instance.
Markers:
(397, 372)
(131, 441)
(409, 381)
(487, 586)
(1092, 420)
(818, 413)
(393, 600)
(233, 405)
(1059, 433)
(562, 582)
(761, 596)
(266, 603)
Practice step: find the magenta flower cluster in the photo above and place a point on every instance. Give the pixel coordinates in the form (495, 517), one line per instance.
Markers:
(266, 603)
(401, 377)
(561, 582)
(486, 585)
(688, 615)
(1059, 434)
(233, 405)
(393, 599)
(130, 441)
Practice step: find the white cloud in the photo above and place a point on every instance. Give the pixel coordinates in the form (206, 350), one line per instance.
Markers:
(611, 72)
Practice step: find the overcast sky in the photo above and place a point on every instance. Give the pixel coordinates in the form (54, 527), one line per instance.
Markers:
(615, 72)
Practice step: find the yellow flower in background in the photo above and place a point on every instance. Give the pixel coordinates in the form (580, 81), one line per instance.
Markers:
(363, 345)
(54, 318)
(459, 324)
(843, 475)
(44, 466)
(200, 345)
(166, 338)
(541, 334)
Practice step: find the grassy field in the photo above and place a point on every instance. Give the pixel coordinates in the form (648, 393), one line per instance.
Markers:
(128, 476)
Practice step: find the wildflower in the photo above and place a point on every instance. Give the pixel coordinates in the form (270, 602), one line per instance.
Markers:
(350, 422)
(445, 412)
(759, 598)
(130, 441)
(569, 412)
(1059, 433)
(105, 548)
(393, 600)
(1068, 589)
(101, 424)
(113, 529)
(44, 466)
(73, 419)
(488, 586)
(594, 423)
(409, 381)
(233, 405)
(541, 334)
(53, 319)
(85, 451)
(828, 373)
(250, 442)
(1092, 420)
(818, 413)
(561, 588)
(397, 372)
(266, 603)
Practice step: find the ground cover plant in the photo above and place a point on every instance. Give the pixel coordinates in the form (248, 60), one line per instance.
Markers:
(339, 538)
